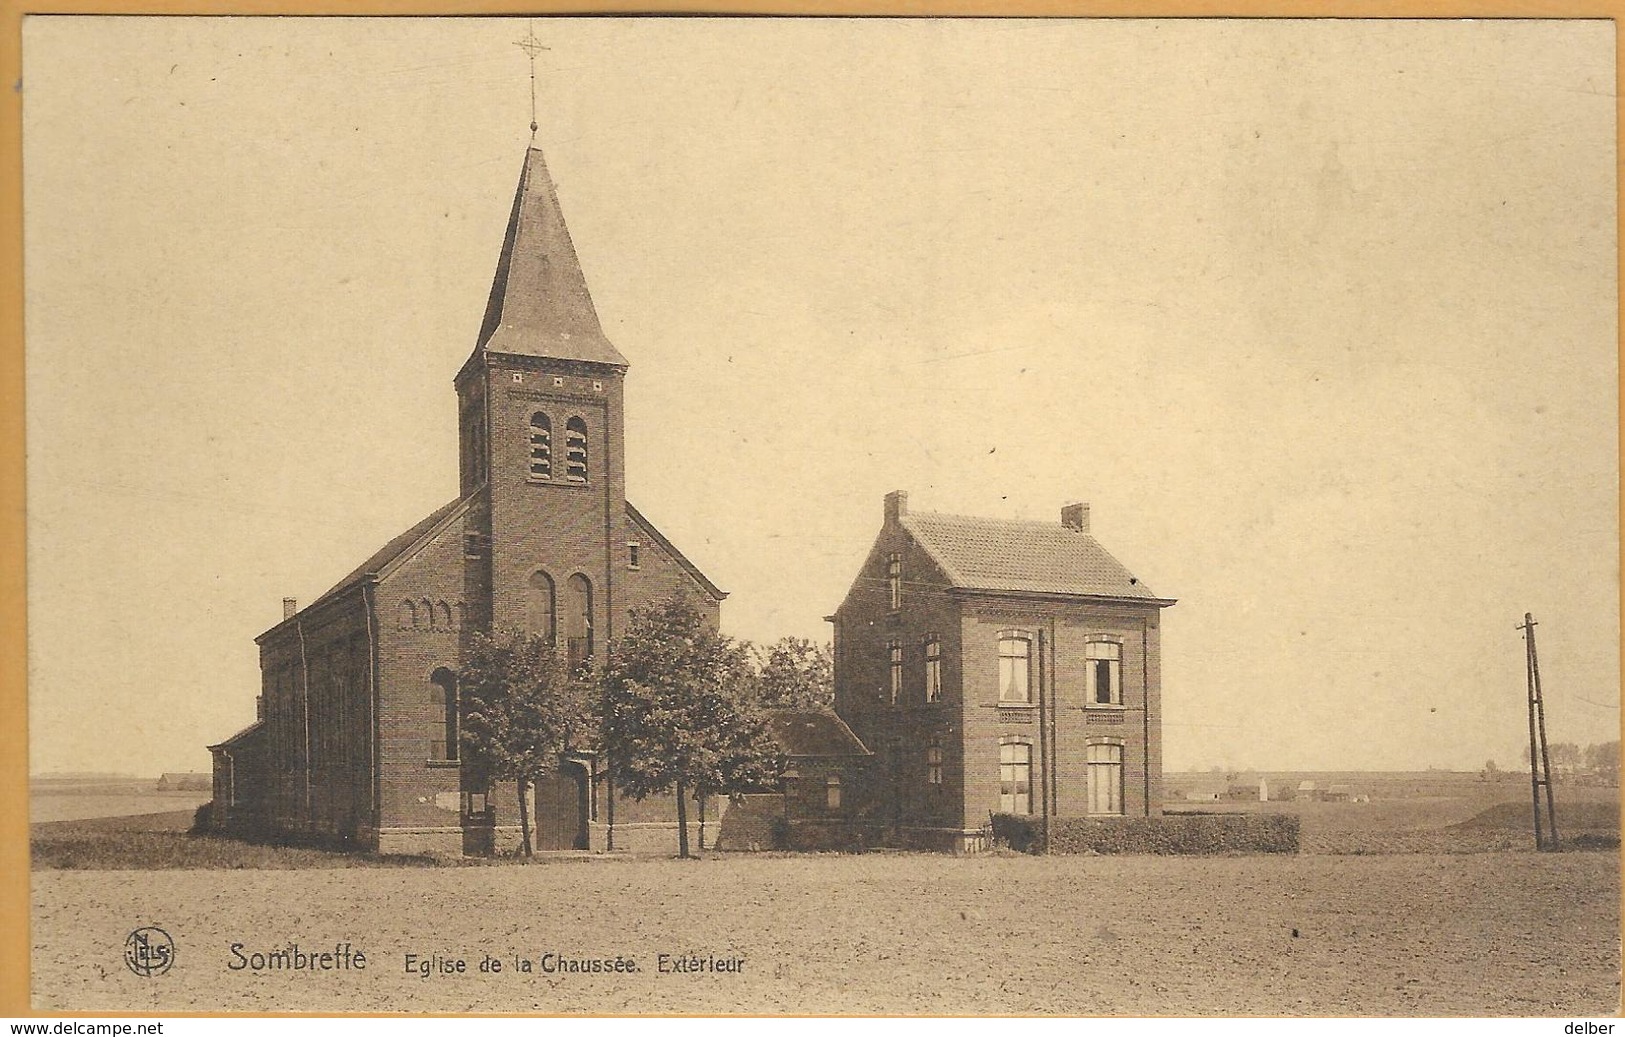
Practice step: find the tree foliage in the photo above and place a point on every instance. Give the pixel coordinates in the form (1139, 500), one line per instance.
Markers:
(522, 710)
(795, 673)
(676, 711)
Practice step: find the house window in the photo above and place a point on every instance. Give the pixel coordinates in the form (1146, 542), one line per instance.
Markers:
(443, 732)
(634, 554)
(933, 669)
(541, 446)
(894, 580)
(1105, 660)
(575, 450)
(1105, 778)
(1015, 778)
(895, 685)
(1014, 665)
(832, 792)
(933, 765)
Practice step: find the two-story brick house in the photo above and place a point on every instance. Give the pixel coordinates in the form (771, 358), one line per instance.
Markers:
(357, 732)
(997, 666)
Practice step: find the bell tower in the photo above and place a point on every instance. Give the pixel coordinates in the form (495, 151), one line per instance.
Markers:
(541, 437)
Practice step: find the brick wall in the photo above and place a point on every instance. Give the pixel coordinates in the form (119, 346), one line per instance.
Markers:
(418, 787)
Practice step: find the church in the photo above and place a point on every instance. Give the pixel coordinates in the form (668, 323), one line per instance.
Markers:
(356, 735)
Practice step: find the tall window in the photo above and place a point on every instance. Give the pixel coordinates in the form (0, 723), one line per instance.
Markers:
(1014, 665)
(1105, 672)
(832, 792)
(933, 764)
(894, 580)
(443, 695)
(540, 617)
(578, 617)
(933, 669)
(541, 446)
(1015, 778)
(1105, 766)
(575, 450)
(895, 683)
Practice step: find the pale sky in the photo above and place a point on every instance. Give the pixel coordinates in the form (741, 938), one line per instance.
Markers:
(1320, 317)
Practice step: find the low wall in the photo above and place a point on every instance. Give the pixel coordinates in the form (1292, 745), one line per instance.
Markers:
(753, 822)
(1184, 834)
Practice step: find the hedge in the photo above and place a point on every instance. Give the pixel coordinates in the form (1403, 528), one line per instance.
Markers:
(1187, 834)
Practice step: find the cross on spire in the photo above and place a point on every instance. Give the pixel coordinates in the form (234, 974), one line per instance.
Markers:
(532, 47)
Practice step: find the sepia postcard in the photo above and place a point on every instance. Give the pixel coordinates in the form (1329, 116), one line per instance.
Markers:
(822, 516)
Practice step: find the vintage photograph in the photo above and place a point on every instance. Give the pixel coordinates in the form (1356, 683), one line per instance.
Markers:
(887, 516)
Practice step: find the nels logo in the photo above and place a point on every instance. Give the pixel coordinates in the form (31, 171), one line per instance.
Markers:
(149, 951)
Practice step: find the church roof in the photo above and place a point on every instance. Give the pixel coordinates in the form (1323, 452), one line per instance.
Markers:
(421, 532)
(814, 732)
(393, 550)
(687, 566)
(239, 739)
(1014, 555)
(539, 303)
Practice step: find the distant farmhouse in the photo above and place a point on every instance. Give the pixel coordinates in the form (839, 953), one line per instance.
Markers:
(992, 666)
(190, 781)
(356, 736)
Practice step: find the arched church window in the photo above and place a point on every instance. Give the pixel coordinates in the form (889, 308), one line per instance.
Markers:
(408, 617)
(444, 721)
(541, 446)
(442, 612)
(539, 614)
(578, 620)
(575, 450)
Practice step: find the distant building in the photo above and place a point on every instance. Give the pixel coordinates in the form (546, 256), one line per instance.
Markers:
(191, 781)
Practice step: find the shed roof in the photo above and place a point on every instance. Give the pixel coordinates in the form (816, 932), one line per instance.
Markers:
(242, 737)
(814, 732)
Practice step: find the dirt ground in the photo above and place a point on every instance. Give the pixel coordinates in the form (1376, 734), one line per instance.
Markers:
(1501, 933)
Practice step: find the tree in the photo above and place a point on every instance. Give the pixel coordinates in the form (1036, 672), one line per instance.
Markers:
(795, 673)
(523, 709)
(1603, 760)
(676, 714)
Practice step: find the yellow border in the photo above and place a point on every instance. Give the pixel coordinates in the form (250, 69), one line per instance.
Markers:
(14, 874)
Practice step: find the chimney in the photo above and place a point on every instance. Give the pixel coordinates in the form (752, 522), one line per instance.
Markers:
(896, 506)
(259, 707)
(1075, 515)
(289, 607)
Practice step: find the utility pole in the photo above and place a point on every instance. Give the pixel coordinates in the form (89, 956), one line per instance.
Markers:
(1540, 766)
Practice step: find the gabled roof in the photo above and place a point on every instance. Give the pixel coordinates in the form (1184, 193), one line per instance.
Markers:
(539, 304)
(1012, 555)
(689, 567)
(397, 547)
(406, 543)
(803, 733)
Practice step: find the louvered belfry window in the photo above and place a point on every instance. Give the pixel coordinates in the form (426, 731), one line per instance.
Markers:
(541, 446)
(575, 450)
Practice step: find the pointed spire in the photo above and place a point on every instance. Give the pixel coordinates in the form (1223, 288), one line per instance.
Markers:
(539, 303)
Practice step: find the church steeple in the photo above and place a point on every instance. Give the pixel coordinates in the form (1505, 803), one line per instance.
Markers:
(539, 303)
